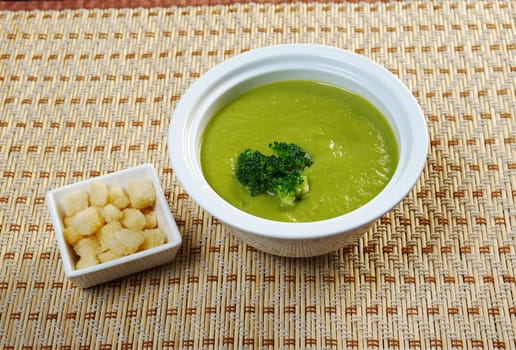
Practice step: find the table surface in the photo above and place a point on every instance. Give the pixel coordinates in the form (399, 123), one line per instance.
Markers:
(84, 92)
(105, 4)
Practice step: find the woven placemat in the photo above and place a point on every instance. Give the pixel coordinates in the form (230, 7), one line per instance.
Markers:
(87, 92)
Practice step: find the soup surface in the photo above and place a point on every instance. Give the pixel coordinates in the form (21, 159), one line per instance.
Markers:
(351, 143)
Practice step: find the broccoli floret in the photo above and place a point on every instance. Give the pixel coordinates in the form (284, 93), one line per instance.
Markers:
(291, 156)
(290, 188)
(279, 174)
(251, 171)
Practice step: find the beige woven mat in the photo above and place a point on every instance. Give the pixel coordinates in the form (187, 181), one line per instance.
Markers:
(83, 93)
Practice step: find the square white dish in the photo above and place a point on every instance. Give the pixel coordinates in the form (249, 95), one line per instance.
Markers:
(127, 265)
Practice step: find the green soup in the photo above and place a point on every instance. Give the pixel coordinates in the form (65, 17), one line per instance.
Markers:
(352, 145)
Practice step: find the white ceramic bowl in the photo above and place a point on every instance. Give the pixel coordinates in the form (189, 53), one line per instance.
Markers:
(90, 276)
(297, 62)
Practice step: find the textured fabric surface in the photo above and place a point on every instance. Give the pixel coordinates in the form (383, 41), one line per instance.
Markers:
(87, 92)
(104, 4)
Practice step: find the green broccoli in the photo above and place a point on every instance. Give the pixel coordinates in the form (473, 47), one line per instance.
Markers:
(279, 174)
(251, 171)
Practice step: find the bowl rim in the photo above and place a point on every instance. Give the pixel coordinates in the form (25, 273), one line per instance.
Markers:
(246, 66)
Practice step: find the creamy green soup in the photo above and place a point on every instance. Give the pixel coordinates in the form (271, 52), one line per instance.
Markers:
(353, 148)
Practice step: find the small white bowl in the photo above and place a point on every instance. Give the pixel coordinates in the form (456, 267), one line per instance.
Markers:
(104, 272)
(297, 62)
